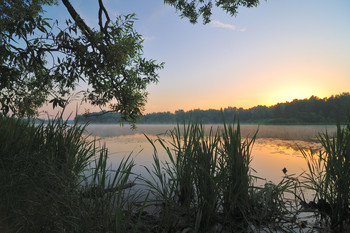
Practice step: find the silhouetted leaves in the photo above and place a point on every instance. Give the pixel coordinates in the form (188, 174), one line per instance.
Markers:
(192, 9)
(40, 59)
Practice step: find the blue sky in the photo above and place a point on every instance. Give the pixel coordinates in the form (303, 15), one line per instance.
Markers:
(279, 51)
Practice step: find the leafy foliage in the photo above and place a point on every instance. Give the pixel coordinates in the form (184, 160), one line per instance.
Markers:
(192, 9)
(39, 60)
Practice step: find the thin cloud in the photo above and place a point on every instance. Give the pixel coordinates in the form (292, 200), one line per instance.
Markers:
(146, 38)
(219, 24)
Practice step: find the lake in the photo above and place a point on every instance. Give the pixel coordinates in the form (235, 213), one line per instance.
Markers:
(276, 147)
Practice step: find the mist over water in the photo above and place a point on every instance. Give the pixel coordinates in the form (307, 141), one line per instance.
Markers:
(276, 146)
(285, 132)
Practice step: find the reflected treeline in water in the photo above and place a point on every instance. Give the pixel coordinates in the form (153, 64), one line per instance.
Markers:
(113, 130)
(281, 146)
(286, 132)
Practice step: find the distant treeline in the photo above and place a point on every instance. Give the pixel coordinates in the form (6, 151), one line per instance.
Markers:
(306, 111)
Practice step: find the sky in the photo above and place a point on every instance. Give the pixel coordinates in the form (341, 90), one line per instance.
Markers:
(277, 52)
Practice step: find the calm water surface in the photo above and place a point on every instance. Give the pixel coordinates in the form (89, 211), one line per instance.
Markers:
(276, 147)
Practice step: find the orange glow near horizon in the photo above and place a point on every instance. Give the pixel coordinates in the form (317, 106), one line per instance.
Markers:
(271, 98)
(269, 89)
(242, 99)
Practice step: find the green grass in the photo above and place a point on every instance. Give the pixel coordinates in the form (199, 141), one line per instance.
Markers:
(207, 182)
(44, 171)
(235, 172)
(329, 177)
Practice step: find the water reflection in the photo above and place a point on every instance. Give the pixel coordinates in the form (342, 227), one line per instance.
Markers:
(270, 156)
(276, 147)
(287, 132)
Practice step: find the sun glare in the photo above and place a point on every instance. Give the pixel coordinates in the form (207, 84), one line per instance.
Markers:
(290, 93)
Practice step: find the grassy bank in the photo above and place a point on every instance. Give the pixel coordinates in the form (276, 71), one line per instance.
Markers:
(53, 180)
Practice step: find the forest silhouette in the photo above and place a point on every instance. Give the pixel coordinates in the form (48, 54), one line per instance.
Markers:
(313, 110)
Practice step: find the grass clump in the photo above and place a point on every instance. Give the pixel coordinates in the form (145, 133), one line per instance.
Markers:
(235, 172)
(206, 185)
(44, 171)
(328, 177)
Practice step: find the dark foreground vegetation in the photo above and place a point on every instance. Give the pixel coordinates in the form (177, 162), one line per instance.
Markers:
(306, 111)
(52, 179)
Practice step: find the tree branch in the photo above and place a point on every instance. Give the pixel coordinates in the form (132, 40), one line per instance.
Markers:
(76, 17)
(108, 20)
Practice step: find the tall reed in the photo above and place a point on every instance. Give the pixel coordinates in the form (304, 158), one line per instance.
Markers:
(208, 175)
(43, 176)
(235, 172)
(328, 176)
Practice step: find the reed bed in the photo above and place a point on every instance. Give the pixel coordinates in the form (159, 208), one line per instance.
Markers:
(48, 173)
(208, 185)
(54, 179)
(329, 178)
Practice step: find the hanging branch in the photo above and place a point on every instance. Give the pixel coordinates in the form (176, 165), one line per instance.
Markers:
(102, 9)
(76, 17)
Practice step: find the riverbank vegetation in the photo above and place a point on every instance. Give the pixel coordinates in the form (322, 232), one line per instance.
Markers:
(306, 111)
(328, 177)
(209, 183)
(55, 180)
